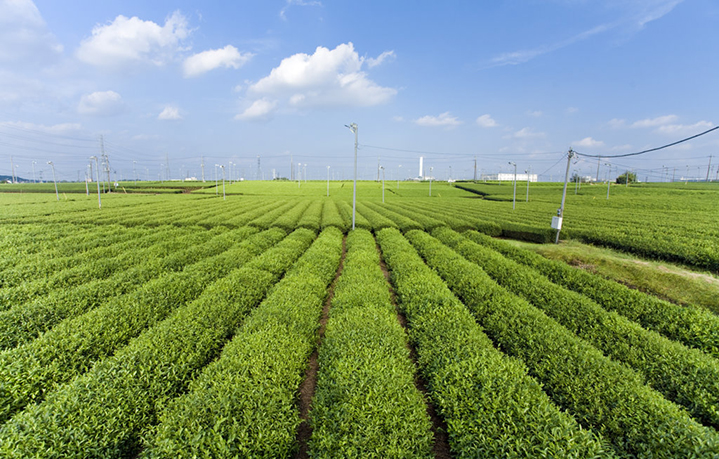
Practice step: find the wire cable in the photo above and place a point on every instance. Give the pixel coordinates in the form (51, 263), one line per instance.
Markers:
(651, 149)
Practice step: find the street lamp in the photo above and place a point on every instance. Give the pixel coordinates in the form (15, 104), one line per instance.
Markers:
(54, 179)
(514, 198)
(299, 174)
(97, 167)
(527, 172)
(382, 167)
(223, 181)
(430, 181)
(354, 128)
(328, 180)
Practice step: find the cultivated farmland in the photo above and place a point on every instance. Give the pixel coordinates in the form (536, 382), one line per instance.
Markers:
(185, 324)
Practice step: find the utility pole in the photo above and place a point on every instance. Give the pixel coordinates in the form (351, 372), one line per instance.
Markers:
(54, 179)
(354, 128)
(33, 172)
(514, 197)
(97, 166)
(674, 173)
(106, 162)
(223, 182)
(382, 167)
(598, 161)
(12, 168)
(202, 164)
(167, 166)
(709, 167)
(570, 155)
(378, 168)
(475, 168)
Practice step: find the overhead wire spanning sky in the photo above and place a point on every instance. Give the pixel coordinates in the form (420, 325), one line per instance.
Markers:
(225, 82)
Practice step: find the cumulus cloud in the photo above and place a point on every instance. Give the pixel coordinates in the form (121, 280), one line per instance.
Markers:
(443, 120)
(654, 122)
(684, 129)
(290, 3)
(527, 133)
(101, 103)
(260, 110)
(486, 121)
(327, 78)
(24, 36)
(588, 142)
(227, 57)
(385, 56)
(126, 41)
(170, 113)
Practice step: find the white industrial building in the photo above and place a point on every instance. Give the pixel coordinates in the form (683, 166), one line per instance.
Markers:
(508, 177)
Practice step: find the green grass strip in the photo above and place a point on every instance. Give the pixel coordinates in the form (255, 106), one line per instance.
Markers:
(492, 408)
(104, 413)
(366, 404)
(686, 376)
(243, 405)
(692, 326)
(599, 392)
(29, 372)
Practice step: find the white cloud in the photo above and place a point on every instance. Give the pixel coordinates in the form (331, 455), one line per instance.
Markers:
(260, 110)
(654, 122)
(535, 113)
(617, 123)
(24, 36)
(588, 142)
(203, 62)
(685, 130)
(101, 103)
(486, 121)
(290, 3)
(170, 113)
(527, 133)
(398, 119)
(329, 78)
(53, 129)
(444, 119)
(127, 41)
(385, 56)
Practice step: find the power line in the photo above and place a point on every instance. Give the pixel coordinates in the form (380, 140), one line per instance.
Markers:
(651, 149)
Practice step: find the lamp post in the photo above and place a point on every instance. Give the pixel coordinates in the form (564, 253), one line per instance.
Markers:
(514, 198)
(97, 167)
(430, 181)
(382, 168)
(223, 182)
(399, 171)
(54, 179)
(527, 172)
(328, 181)
(354, 128)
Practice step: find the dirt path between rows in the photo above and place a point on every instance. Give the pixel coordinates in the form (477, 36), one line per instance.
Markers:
(307, 388)
(440, 448)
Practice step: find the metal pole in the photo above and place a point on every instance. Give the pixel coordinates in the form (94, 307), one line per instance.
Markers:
(564, 193)
(527, 172)
(328, 180)
(514, 197)
(223, 182)
(217, 191)
(97, 166)
(33, 172)
(430, 181)
(382, 167)
(399, 172)
(87, 188)
(134, 171)
(354, 128)
(709, 167)
(54, 179)
(609, 175)
(299, 174)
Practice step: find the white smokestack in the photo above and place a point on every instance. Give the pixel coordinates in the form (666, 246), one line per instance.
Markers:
(421, 160)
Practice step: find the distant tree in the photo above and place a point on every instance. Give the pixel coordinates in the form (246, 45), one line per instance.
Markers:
(623, 178)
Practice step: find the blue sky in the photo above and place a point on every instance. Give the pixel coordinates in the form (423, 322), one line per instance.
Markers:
(505, 81)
